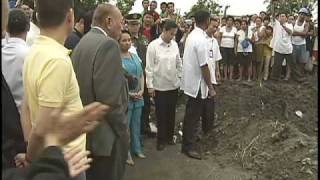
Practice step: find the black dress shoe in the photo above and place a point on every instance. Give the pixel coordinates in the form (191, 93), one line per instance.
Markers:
(160, 147)
(193, 154)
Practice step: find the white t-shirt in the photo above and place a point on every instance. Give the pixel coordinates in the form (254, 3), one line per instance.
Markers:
(282, 40)
(214, 56)
(241, 36)
(227, 39)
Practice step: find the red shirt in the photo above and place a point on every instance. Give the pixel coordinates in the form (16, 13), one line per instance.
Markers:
(147, 33)
(156, 16)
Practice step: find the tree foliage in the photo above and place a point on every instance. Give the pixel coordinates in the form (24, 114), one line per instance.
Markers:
(209, 5)
(125, 6)
(287, 6)
(88, 4)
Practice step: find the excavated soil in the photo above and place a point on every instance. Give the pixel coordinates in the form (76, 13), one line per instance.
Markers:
(258, 128)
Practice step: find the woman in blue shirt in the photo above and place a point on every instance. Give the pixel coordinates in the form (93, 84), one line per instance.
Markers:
(131, 64)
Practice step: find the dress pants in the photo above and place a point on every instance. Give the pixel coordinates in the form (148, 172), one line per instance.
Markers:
(110, 167)
(165, 103)
(276, 68)
(145, 112)
(207, 117)
(194, 110)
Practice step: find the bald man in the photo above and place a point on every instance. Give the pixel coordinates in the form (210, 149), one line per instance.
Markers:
(97, 64)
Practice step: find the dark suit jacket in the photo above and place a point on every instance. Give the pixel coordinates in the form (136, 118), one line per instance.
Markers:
(97, 65)
(49, 166)
(73, 39)
(12, 135)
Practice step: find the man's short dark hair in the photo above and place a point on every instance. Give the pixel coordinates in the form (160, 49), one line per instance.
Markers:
(79, 14)
(145, 1)
(201, 17)
(238, 20)
(168, 25)
(172, 3)
(223, 18)
(230, 17)
(282, 13)
(213, 19)
(18, 22)
(29, 3)
(88, 20)
(52, 13)
(154, 2)
(263, 12)
(244, 21)
(163, 3)
(266, 18)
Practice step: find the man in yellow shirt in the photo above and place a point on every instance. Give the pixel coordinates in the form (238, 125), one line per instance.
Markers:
(49, 78)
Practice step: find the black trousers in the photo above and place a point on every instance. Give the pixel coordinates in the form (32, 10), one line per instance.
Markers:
(277, 66)
(207, 117)
(165, 103)
(145, 112)
(196, 108)
(110, 167)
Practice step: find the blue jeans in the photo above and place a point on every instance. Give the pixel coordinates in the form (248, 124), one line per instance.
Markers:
(134, 116)
(299, 54)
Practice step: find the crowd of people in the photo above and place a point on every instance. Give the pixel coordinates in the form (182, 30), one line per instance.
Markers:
(78, 86)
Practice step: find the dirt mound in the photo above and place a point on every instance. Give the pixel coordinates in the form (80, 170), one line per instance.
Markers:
(269, 129)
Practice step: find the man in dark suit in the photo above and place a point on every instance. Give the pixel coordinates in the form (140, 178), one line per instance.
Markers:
(83, 24)
(12, 134)
(97, 65)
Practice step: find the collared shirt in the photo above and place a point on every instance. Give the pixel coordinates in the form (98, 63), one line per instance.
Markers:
(14, 51)
(33, 34)
(49, 81)
(100, 29)
(282, 40)
(195, 56)
(163, 65)
(214, 56)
